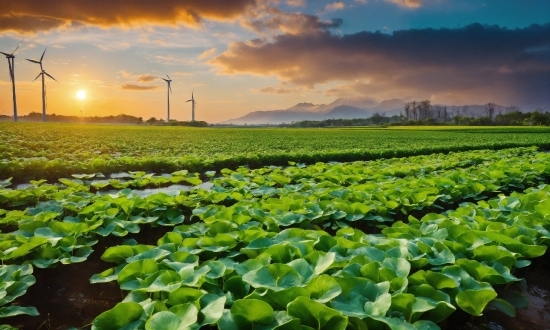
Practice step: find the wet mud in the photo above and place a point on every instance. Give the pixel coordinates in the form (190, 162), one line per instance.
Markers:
(66, 299)
(64, 296)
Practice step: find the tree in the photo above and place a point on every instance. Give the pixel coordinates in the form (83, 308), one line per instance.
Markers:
(490, 110)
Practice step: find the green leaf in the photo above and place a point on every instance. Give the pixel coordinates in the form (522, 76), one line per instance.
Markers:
(474, 301)
(184, 295)
(252, 311)
(316, 315)
(163, 320)
(275, 277)
(117, 254)
(279, 299)
(503, 306)
(122, 315)
(236, 286)
(17, 310)
(323, 288)
(211, 308)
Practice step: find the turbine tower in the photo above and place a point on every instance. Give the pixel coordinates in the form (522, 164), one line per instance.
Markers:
(11, 63)
(193, 103)
(169, 91)
(42, 73)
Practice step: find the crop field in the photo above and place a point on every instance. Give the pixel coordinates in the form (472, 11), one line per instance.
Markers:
(31, 151)
(333, 229)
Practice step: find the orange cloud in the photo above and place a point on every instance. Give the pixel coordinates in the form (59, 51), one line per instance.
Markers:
(335, 6)
(32, 16)
(131, 87)
(207, 53)
(294, 23)
(407, 3)
(146, 78)
(273, 90)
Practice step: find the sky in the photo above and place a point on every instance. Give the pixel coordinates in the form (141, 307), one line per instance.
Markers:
(247, 55)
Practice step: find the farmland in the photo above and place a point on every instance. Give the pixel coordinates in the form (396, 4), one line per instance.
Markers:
(322, 229)
(33, 151)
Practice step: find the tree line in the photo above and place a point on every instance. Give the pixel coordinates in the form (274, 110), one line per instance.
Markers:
(424, 113)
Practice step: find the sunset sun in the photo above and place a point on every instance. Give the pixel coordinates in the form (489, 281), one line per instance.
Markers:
(81, 94)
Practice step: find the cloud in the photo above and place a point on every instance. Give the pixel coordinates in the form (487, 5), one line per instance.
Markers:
(407, 3)
(296, 3)
(273, 90)
(207, 53)
(475, 61)
(146, 78)
(334, 6)
(113, 45)
(131, 87)
(32, 16)
(275, 20)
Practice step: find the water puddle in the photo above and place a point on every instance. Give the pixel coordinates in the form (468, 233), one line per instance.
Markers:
(173, 190)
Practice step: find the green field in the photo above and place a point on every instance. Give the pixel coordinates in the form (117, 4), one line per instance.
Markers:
(366, 239)
(51, 151)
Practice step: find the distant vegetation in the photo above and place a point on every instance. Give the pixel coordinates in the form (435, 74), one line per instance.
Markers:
(423, 113)
(120, 119)
(173, 122)
(36, 116)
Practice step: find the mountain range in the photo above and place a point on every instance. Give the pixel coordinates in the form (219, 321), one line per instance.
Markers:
(340, 109)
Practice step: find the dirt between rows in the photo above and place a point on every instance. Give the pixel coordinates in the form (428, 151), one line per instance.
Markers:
(66, 299)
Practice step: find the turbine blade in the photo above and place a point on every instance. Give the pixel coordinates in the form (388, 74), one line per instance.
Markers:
(168, 77)
(188, 101)
(5, 54)
(34, 61)
(170, 88)
(35, 78)
(17, 47)
(195, 102)
(47, 74)
(164, 79)
(43, 54)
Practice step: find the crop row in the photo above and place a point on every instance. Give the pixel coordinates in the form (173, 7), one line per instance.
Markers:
(344, 174)
(250, 212)
(44, 240)
(30, 151)
(238, 276)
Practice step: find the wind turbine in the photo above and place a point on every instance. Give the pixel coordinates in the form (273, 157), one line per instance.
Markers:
(193, 103)
(11, 63)
(169, 91)
(42, 73)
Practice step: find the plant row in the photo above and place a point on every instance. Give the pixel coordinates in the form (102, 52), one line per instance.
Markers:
(236, 275)
(63, 149)
(64, 230)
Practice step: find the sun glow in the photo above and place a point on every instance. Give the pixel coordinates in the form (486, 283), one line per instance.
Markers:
(81, 94)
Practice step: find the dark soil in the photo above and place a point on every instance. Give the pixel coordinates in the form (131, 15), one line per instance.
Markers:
(535, 317)
(64, 296)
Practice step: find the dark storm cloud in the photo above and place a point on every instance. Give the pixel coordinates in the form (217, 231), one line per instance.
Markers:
(39, 15)
(509, 64)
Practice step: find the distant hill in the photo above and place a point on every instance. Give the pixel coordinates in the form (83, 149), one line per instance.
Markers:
(347, 109)
(309, 111)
